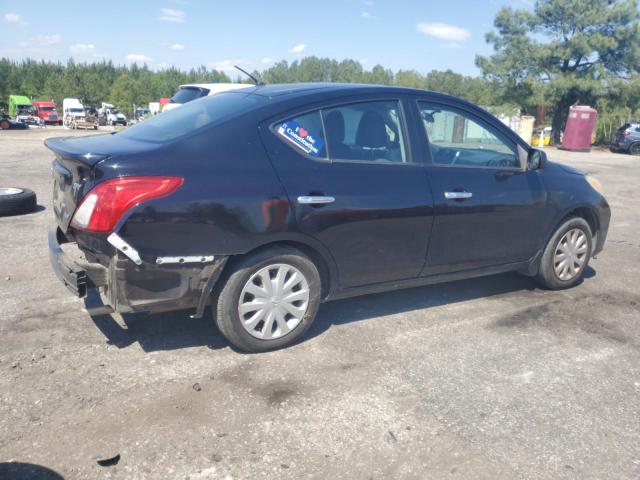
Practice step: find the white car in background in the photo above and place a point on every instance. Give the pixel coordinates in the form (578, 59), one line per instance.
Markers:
(193, 91)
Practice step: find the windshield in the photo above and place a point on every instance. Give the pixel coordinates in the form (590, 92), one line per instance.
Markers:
(47, 109)
(186, 94)
(193, 116)
(25, 109)
(76, 110)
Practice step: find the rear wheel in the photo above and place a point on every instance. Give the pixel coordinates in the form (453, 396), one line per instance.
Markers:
(567, 255)
(269, 300)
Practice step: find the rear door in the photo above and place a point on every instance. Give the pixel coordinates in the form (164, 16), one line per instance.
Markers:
(489, 209)
(355, 186)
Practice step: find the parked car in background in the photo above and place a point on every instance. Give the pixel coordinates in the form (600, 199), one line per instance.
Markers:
(47, 112)
(268, 200)
(627, 139)
(75, 115)
(190, 92)
(22, 110)
(7, 123)
(110, 115)
(91, 114)
(141, 113)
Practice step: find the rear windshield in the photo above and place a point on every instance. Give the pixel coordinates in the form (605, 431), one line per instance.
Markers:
(186, 94)
(193, 116)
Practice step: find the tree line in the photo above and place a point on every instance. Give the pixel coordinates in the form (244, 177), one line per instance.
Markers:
(125, 85)
(561, 53)
(94, 83)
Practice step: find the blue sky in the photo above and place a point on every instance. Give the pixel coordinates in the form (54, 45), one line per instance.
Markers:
(402, 34)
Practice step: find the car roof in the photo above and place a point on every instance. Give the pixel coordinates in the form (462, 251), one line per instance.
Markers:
(293, 89)
(216, 87)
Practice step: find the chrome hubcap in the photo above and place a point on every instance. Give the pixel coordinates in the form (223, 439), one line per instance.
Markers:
(10, 191)
(273, 301)
(570, 255)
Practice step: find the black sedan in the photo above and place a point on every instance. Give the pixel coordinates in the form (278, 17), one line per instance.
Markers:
(264, 202)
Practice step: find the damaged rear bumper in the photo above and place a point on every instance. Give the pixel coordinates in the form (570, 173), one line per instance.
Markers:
(70, 274)
(146, 285)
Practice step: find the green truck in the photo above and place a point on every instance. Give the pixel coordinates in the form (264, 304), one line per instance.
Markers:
(22, 110)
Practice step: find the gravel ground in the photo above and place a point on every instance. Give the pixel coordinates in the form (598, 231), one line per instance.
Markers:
(486, 378)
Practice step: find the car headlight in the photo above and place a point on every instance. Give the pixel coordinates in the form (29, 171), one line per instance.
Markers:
(595, 183)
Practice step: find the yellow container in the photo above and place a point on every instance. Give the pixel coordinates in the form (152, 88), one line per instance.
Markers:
(546, 137)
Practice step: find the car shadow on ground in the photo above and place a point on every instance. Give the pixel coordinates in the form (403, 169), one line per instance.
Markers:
(175, 330)
(160, 331)
(30, 471)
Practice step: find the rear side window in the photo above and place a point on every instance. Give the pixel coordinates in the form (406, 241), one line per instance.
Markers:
(366, 131)
(304, 133)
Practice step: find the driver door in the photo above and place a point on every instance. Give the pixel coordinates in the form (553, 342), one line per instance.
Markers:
(489, 210)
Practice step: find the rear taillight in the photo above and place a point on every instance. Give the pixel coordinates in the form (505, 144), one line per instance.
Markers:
(626, 133)
(105, 204)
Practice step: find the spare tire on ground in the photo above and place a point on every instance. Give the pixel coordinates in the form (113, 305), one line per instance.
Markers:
(16, 201)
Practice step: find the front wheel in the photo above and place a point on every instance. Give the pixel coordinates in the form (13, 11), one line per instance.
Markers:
(567, 255)
(269, 300)
(635, 149)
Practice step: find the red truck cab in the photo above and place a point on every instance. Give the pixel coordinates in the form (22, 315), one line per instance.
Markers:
(47, 112)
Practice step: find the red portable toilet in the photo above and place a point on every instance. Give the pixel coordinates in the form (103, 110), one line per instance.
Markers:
(580, 125)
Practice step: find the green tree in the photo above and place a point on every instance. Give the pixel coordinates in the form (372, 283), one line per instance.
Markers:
(563, 52)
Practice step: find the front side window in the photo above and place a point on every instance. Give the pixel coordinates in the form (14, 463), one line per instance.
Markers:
(366, 131)
(456, 139)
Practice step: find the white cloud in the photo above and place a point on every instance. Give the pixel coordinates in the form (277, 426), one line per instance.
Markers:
(177, 46)
(172, 15)
(365, 15)
(451, 45)
(138, 57)
(48, 40)
(14, 18)
(301, 47)
(368, 3)
(443, 31)
(82, 47)
(266, 60)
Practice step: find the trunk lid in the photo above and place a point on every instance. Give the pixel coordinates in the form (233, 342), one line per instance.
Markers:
(76, 168)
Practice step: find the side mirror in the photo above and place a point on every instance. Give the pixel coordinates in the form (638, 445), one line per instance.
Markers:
(536, 159)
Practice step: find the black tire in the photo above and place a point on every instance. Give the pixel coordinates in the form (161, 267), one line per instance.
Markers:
(634, 149)
(4, 124)
(547, 276)
(227, 297)
(16, 201)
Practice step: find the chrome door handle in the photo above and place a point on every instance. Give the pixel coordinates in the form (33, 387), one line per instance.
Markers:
(315, 200)
(457, 195)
